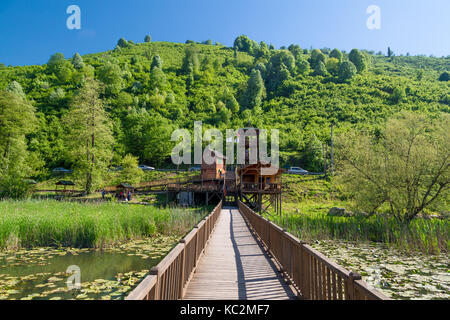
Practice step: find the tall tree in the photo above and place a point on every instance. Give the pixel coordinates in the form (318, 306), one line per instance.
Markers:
(89, 135)
(255, 91)
(17, 119)
(320, 69)
(156, 62)
(336, 53)
(316, 57)
(358, 59)
(77, 61)
(55, 62)
(148, 38)
(347, 71)
(16, 88)
(390, 53)
(111, 75)
(130, 173)
(243, 43)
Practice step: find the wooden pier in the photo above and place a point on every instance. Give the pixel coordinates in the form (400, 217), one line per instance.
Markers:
(236, 266)
(238, 254)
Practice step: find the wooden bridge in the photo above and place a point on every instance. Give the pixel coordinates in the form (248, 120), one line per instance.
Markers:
(237, 254)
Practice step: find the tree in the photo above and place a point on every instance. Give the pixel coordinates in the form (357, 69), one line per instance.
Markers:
(335, 53)
(445, 76)
(316, 57)
(148, 135)
(111, 75)
(347, 71)
(280, 67)
(64, 73)
(295, 50)
(16, 88)
(230, 101)
(302, 65)
(122, 43)
(262, 52)
(55, 62)
(320, 70)
(158, 79)
(17, 119)
(312, 157)
(148, 38)
(332, 66)
(57, 95)
(190, 61)
(244, 44)
(255, 91)
(358, 59)
(77, 61)
(403, 171)
(398, 95)
(390, 53)
(89, 136)
(156, 62)
(130, 173)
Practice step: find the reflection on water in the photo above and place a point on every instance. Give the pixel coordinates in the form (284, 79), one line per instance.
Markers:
(396, 274)
(40, 273)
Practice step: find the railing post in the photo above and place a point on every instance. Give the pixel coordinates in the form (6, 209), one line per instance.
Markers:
(353, 276)
(183, 265)
(195, 247)
(155, 271)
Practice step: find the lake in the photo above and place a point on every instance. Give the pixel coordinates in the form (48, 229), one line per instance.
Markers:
(397, 274)
(40, 273)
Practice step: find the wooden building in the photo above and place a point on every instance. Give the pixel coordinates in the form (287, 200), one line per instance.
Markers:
(122, 190)
(215, 170)
(259, 185)
(65, 184)
(259, 177)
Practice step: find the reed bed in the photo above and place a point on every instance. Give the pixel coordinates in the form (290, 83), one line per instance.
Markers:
(26, 224)
(425, 235)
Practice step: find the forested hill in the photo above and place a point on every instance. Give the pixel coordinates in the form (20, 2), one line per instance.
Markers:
(153, 87)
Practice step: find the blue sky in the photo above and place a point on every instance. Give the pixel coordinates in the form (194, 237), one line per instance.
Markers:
(32, 30)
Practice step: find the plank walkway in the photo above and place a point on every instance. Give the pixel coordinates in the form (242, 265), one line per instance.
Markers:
(235, 266)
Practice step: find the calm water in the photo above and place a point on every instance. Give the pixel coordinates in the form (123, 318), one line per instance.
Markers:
(40, 273)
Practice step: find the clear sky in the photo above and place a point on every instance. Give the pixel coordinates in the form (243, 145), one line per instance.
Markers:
(32, 30)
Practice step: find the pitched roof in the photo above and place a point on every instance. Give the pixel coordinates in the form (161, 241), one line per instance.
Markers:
(124, 185)
(65, 183)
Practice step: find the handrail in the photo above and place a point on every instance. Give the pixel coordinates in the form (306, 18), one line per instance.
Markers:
(168, 280)
(313, 275)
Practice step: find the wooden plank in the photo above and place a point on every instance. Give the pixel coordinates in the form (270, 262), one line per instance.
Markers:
(235, 266)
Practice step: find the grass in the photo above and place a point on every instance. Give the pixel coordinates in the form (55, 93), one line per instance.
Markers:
(307, 201)
(29, 224)
(425, 235)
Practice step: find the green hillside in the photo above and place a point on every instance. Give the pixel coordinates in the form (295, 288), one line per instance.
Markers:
(298, 91)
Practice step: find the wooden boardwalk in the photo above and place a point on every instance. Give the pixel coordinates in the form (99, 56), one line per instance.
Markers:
(235, 266)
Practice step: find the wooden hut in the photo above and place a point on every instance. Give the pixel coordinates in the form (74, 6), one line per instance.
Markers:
(122, 190)
(259, 177)
(217, 169)
(65, 184)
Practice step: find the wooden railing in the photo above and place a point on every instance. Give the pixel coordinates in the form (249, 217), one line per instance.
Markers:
(313, 275)
(261, 186)
(168, 280)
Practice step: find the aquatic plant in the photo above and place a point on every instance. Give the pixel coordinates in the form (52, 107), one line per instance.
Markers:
(52, 223)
